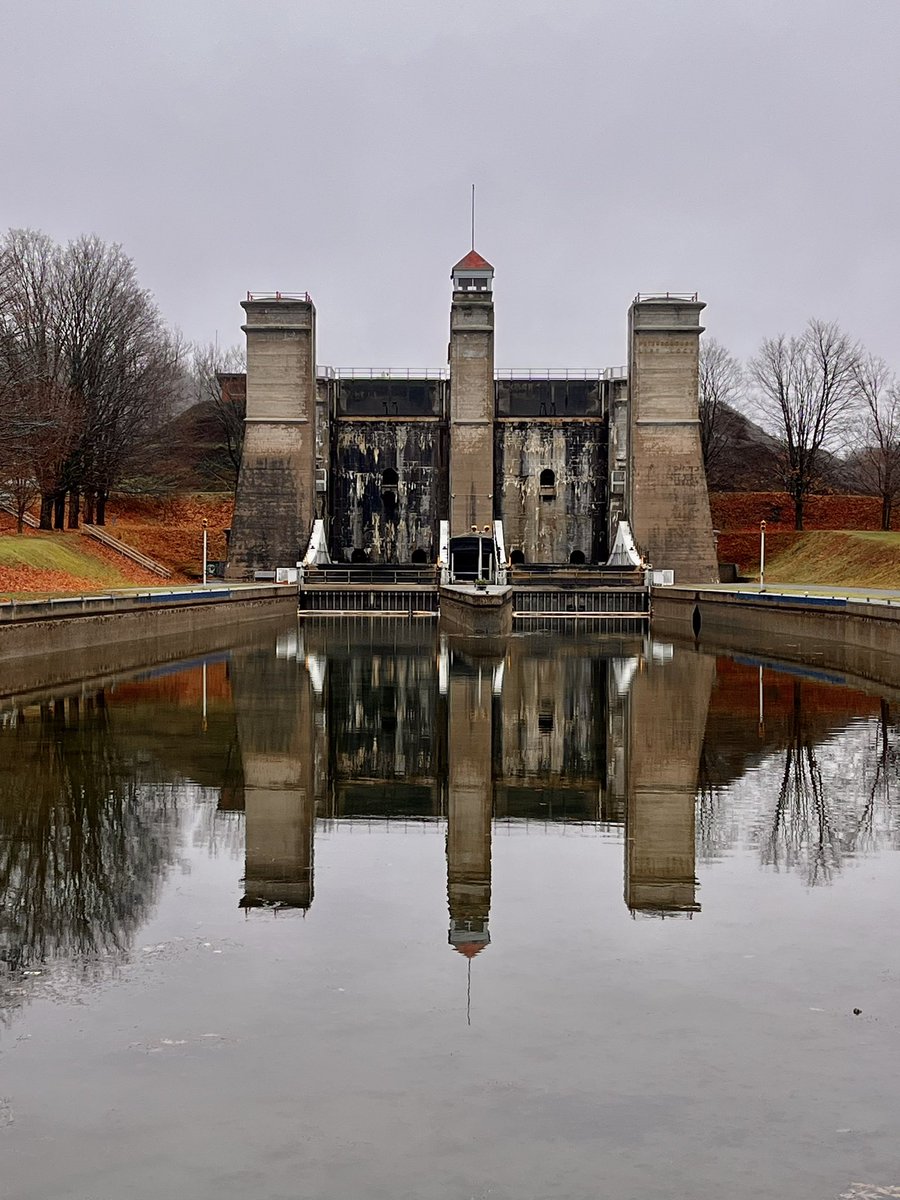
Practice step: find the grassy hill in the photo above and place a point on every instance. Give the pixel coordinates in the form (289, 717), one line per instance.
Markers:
(53, 564)
(850, 558)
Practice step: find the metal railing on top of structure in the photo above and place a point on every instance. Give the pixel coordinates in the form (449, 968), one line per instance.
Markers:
(280, 296)
(505, 373)
(327, 575)
(583, 373)
(688, 296)
(415, 373)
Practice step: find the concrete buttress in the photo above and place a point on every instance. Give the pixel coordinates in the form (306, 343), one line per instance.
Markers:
(275, 501)
(668, 501)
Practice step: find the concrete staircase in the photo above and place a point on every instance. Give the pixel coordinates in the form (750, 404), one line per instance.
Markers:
(29, 520)
(100, 535)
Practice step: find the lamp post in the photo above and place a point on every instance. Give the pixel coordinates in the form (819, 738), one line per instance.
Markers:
(762, 556)
(205, 548)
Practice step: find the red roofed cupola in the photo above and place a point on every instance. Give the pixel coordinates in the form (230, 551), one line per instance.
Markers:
(472, 274)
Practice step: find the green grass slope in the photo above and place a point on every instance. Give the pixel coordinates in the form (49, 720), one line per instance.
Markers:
(842, 557)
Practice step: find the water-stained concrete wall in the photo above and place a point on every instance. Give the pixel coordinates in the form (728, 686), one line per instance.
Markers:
(551, 480)
(389, 488)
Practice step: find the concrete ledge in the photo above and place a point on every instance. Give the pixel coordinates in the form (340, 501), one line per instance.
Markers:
(32, 677)
(48, 627)
(846, 633)
(467, 610)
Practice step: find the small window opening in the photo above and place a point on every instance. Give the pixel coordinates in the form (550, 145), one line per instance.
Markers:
(389, 500)
(545, 721)
(359, 556)
(548, 478)
(420, 556)
(517, 556)
(389, 478)
(577, 558)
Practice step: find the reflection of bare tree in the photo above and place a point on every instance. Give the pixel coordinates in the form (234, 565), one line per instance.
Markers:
(715, 826)
(86, 831)
(879, 772)
(821, 819)
(802, 828)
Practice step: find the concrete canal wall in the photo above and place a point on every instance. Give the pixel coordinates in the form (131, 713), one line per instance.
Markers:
(853, 634)
(58, 627)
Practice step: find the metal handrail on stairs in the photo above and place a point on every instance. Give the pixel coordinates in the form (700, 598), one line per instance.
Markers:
(143, 560)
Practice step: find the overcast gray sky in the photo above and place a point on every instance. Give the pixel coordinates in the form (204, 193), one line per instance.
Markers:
(748, 151)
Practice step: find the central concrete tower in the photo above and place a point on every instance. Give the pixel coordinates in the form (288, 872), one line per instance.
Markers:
(668, 502)
(471, 395)
(275, 502)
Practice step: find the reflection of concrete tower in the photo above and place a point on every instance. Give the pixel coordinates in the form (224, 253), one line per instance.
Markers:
(667, 710)
(274, 703)
(471, 395)
(469, 811)
(275, 502)
(668, 502)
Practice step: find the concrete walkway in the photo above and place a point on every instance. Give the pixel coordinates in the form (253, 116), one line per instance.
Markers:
(823, 591)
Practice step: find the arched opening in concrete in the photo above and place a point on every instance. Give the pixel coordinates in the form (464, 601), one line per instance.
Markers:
(548, 478)
(420, 556)
(517, 556)
(389, 500)
(577, 559)
(359, 556)
(389, 478)
(696, 620)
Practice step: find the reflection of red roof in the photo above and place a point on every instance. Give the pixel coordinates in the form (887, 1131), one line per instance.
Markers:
(469, 949)
(473, 262)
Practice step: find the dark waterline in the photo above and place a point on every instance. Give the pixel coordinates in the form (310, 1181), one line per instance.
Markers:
(353, 910)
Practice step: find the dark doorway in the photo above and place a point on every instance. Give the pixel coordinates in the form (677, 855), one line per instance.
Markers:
(577, 558)
(472, 557)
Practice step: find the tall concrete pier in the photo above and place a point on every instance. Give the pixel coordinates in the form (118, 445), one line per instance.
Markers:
(668, 504)
(471, 395)
(275, 501)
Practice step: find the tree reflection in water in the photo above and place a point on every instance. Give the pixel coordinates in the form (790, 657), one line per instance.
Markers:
(87, 830)
(822, 817)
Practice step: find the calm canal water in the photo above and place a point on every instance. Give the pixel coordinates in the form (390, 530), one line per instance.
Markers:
(352, 911)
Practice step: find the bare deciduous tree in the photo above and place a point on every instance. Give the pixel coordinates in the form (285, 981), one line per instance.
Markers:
(721, 388)
(877, 454)
(78, 330)
(216, 372)
(806, 389)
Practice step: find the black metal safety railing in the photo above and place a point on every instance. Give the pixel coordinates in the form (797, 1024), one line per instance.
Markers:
(581, 603)
(590, 575)
(329, 575)
(399, 602)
